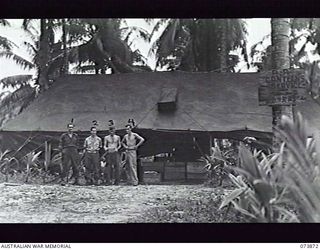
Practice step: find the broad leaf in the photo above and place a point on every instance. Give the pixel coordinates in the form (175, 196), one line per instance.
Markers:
(233, 195)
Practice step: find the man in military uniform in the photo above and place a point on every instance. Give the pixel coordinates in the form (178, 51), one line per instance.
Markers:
(131, 141)
(92, 145)
(68, 145)
(112, 144)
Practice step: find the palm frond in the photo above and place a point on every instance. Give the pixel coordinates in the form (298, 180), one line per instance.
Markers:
(141, 33)
(138, 57)
(16, 80)
(25, 64)
(253, 47)
(158, 25)
(167, 38)
(300, 23)
(26, 23)
(25, 94)
(31, 48)
(5, 43)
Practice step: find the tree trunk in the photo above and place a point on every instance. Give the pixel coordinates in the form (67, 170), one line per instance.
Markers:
(43, 55)
(96, 69)
(65, 68)
(280, 30)
(223, 46)
(208, 46)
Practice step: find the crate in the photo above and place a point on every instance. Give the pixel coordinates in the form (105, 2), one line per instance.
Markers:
(151, 177)
(175, 171)
(153, 167)
(196, 171)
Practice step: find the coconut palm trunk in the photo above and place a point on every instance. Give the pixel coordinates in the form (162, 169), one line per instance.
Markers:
(280, 30)
(44, 51)
(223, 46)
(65, 68)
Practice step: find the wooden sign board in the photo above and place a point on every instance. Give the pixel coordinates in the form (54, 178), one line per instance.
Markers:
(269, 96)
(282, 87)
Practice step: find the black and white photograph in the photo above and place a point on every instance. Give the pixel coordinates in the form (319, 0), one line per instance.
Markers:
(159, 120)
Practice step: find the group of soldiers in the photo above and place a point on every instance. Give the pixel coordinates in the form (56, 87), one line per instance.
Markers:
(112, 143)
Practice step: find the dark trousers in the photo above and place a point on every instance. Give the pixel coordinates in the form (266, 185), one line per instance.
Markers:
(70, 157)
(140, 171)
(113, 160)
(92, 163)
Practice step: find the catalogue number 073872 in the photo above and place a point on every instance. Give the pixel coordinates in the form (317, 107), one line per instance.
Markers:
(309, 245)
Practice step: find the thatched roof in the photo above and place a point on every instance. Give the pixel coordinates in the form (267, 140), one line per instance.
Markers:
(205, 102)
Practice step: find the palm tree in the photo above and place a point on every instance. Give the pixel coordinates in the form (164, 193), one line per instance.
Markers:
(307, 29)
(39, 49)
(99, 42)
(6, 47)
(65, 68)
(95, 40)
(280, 31)
(199, 44)
(11, 103)
(108, 47)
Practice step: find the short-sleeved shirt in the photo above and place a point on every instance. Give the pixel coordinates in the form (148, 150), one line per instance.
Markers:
(131, 141)
(112, 142)
(69, 141)
(92, 144)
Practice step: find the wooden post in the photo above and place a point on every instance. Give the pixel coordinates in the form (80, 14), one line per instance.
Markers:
(186, 171)
(163, 171)
(210, 144)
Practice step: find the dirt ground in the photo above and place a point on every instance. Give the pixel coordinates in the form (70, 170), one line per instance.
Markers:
(28, 203)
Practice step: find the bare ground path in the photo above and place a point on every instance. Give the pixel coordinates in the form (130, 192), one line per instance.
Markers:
(89, 204)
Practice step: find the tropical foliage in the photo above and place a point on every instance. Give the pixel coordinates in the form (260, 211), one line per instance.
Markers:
(304, 32)
(281, 187)
(219, 163)
(7, 161)
(96, 45)
(31, 161)
(5, 43)
(199, 44)
(108, 47)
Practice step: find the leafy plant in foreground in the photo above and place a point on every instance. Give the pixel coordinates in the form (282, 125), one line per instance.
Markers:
(49, 160)
(32, 162)
(218, 164)
(6, 163)
(276, 182)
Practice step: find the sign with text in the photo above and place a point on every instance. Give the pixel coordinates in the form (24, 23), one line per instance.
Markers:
(282, 87)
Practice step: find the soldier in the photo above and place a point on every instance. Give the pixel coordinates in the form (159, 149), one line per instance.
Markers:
(69, 147)
(112, 144)
(92, 145)
(129, 142)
